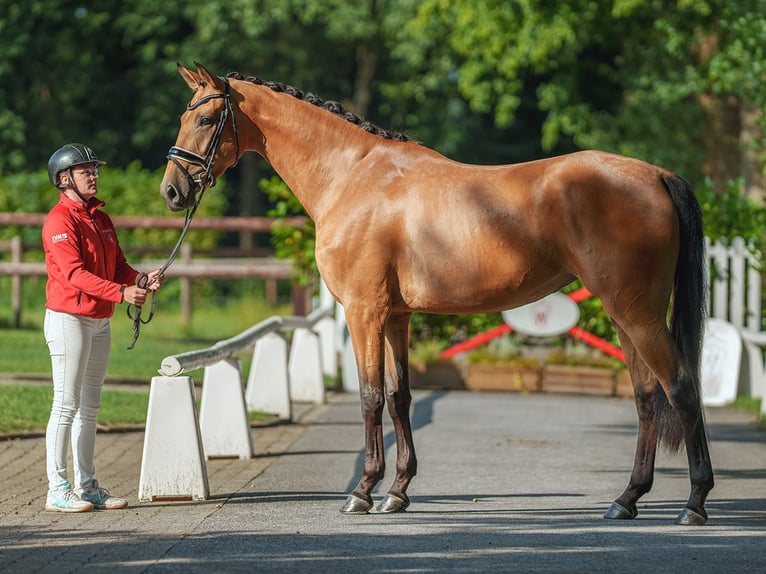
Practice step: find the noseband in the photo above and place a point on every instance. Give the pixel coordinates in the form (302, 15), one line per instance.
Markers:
(205, 178)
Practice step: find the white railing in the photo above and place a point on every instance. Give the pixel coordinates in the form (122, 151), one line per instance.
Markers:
(735, 297)
(735, 283)
(175, 365)
(177, 442)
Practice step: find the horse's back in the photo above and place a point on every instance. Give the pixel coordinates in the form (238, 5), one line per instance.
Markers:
(455, 237)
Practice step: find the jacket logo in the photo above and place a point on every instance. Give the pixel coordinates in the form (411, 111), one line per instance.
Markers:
(59, 237)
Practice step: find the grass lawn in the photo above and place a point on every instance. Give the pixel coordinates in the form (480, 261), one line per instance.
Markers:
(24, 351)
(25, 407)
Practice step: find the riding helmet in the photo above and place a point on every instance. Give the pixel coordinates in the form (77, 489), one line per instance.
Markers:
(68, 156)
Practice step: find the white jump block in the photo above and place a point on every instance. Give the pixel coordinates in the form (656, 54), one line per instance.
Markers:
(268, 387)
(721, 355)
(326, 329)
(350, 372)
(173, 461)
(223, 418)
(305, 367)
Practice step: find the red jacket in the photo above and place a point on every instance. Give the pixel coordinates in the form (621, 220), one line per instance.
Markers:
(86, 266)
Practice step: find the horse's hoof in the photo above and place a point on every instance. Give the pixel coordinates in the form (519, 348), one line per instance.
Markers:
(619, 512)
(356, 505)
(392, 503)
(689, 517)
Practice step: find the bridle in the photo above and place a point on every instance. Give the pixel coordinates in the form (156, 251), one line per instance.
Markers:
(178, 154)
(201, 180)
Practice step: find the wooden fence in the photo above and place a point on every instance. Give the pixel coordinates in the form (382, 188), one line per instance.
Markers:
(186, 266)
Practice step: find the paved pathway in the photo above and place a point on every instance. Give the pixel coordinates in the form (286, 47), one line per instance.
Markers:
(507, 483)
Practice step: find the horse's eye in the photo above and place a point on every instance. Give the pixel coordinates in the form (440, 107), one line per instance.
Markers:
(206, 121)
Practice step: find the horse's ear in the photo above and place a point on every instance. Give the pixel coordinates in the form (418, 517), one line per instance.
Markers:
(208, 78)
(192, 80)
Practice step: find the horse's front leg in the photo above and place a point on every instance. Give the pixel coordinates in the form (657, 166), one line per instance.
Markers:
(367, 340)
(399, 400)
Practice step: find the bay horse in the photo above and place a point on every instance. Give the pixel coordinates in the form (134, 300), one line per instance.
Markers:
(402, 229)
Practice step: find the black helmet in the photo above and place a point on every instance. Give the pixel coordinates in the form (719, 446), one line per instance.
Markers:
(70, 155)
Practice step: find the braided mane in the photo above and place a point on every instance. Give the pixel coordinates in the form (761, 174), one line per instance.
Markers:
(331, 106)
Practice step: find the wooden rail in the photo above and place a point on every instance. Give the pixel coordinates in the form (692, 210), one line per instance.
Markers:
(255, 223)
(186, 268)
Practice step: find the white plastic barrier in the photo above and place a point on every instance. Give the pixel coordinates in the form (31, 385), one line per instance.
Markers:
(223, 418)
(305, 367)
(173, 461)
(173, 464)
(350, 372)
(268, 387)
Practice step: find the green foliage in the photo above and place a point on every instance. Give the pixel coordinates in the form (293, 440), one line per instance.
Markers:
(291, 242)
(610, 75)
(505, 350)
(450, 329)
(731, 213)
(129, 191)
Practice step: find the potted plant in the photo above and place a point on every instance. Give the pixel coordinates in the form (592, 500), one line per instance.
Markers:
(428, 371)
(579, 369)
(502, 366)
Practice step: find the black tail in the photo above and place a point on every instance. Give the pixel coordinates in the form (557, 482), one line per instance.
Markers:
(689, 310)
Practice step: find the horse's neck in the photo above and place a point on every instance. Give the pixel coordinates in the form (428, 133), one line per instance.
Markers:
(310, 148)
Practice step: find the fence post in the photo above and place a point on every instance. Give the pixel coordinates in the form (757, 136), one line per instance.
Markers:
(17, 251)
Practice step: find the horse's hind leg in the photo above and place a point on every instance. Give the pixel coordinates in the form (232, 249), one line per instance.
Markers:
(677, 410)
(399, 399)
(645, 387)
(366, 330)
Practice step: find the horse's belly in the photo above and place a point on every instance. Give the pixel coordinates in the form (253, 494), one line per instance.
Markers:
(466, 289)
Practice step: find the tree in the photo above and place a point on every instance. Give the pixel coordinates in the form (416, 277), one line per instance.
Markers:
(646, 78)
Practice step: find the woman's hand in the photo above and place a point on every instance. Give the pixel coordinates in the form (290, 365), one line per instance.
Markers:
(134, 295)
(155, 280)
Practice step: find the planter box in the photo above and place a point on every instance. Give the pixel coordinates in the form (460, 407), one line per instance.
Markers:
(489, 377)
(436, 375)
(578, 380)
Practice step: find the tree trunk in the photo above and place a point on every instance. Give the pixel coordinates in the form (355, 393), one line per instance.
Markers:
(752, 167)
(724, 159)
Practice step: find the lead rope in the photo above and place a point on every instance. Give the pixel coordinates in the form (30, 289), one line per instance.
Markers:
(142, 281)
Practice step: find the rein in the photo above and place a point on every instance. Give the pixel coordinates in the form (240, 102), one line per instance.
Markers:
(142, 280)
(203, 179)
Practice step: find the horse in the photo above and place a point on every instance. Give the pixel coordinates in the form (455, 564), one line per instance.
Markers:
(401, 229)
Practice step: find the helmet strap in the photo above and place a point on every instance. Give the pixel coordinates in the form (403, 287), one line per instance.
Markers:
(72, 185)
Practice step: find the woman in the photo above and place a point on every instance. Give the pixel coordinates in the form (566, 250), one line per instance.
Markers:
(87, 275)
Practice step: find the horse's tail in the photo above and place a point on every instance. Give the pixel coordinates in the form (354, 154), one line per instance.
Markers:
(689, 308)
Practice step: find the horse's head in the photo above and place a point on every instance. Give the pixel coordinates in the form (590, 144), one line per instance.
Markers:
(205, 147)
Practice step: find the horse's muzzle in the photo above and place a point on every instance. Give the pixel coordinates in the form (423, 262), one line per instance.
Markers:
(174, 199)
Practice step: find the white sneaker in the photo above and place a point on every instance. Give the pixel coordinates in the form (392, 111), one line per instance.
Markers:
(64, 499)
(100, 497)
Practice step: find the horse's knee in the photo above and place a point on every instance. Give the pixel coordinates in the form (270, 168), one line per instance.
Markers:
(372, 398)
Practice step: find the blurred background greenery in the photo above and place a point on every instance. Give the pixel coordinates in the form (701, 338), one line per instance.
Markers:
(678, 83)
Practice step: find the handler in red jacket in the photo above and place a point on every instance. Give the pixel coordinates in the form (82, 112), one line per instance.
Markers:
(87, 276)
